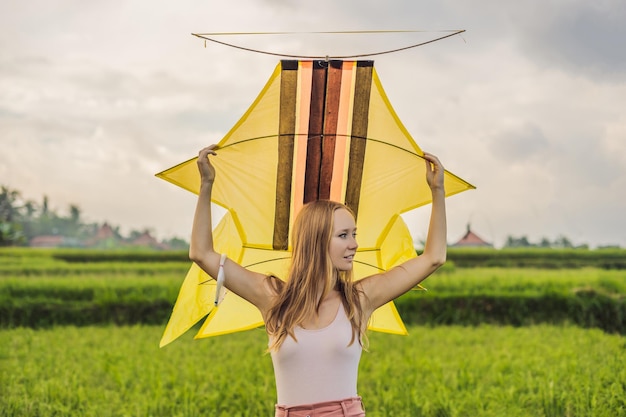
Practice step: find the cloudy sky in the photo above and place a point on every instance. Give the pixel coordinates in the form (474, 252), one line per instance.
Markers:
(529, 104)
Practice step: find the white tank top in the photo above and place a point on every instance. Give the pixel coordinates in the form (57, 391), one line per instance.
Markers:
(320, 366)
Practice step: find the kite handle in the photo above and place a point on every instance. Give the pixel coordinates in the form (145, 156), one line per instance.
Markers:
(220, 280)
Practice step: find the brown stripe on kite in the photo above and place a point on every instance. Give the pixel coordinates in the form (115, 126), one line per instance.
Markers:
(331, 116)
(316, 124)
(360, 113)
(286, 129)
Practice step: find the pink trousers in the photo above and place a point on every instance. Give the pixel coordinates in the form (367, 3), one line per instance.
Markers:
(350, 407)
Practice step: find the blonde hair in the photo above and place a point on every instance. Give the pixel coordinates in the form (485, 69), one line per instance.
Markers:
(311, 277)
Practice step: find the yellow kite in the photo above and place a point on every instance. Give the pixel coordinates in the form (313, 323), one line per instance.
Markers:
(318, 130)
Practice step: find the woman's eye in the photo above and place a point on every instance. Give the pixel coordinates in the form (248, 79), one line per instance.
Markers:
(343, 235)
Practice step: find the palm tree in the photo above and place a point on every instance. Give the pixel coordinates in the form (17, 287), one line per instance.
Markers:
(10, 228)
(9, 209)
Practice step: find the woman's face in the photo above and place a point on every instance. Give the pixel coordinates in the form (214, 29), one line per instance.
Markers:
(343, 244)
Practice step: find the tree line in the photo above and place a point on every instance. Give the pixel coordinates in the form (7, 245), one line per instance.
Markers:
(560, 242)
(22, 219)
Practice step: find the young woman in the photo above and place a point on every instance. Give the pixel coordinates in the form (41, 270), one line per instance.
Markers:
(316, 320)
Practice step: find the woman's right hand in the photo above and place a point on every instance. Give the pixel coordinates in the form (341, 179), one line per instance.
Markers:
(207, 170)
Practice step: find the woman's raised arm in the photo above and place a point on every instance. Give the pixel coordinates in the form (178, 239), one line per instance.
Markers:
(382, 288)
(251, 286)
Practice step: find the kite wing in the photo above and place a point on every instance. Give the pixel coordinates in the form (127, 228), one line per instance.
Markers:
(317, 130)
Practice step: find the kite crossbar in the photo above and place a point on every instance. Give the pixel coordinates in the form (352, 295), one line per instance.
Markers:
(211, 37)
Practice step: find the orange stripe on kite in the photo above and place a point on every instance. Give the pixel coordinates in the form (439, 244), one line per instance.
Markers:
(304, 88)
(343, 119)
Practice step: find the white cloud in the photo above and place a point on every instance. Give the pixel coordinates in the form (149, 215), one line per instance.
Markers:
(95, 98)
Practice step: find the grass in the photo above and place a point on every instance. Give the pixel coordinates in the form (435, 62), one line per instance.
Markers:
(442, 371)
(48, 291)
(438, 371)
(525, 281)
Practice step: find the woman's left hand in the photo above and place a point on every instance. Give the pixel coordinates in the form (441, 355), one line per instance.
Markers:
(434, 171)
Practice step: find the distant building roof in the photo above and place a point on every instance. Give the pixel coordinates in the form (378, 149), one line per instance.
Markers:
(105, 232)
(471, 239)
(146, 239)
(47, 241)
(104, 236)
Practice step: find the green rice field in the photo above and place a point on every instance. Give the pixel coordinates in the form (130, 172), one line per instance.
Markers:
(79, 337)
(440, 371)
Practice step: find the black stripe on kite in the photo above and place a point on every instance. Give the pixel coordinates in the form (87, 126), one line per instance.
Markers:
(286, 128)
(316, 125)
(362, 90)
